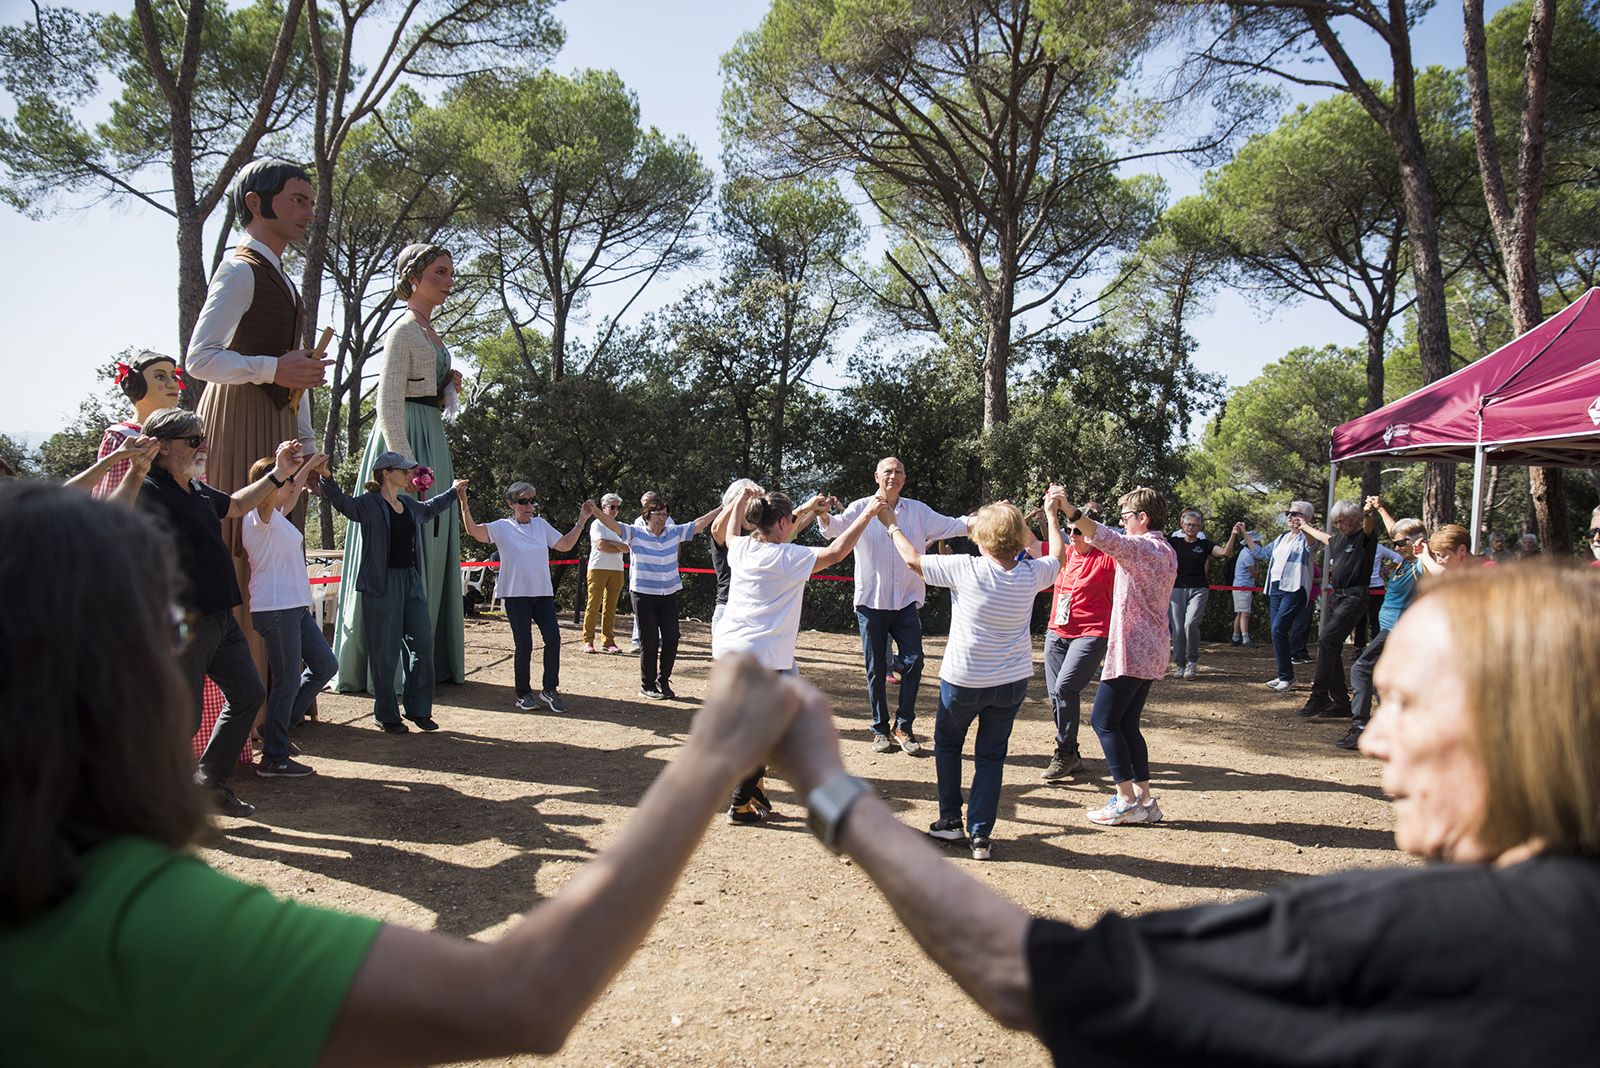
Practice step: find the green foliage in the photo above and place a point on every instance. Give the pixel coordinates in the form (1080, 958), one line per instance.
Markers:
(75, 446)
(1270, 441)
(16, 457)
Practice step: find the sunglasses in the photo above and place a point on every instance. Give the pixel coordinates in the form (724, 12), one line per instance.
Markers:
(1134, 512)
(194, 441)
(526, 501)
(1295, 515)
(1593, 531)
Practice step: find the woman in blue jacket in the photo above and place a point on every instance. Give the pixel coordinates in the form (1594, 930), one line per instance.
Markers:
(394, 602)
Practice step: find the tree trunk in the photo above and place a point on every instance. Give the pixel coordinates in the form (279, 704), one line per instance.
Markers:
(1372, 470)
(316, 252)
(191, 292)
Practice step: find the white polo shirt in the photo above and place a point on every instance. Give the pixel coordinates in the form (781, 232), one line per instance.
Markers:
(882, 579)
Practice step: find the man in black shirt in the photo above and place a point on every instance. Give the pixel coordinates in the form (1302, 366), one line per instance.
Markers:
(193, 512)
(1351, 548)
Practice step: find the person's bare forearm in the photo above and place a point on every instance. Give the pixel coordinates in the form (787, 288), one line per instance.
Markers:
(976, 935)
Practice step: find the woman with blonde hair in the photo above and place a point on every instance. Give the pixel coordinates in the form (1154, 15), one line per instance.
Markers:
(988, 660)
(415, 382)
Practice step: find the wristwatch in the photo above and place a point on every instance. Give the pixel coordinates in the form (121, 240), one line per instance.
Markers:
(275, 480)
(891, 529)
(828, 804)
(1077, 513)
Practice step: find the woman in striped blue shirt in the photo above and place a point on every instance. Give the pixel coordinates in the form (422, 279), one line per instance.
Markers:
(655, 583)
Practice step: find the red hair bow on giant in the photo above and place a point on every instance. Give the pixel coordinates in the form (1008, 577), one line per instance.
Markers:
(123, 370)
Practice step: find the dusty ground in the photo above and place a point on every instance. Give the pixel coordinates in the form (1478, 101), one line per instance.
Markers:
(771, 951)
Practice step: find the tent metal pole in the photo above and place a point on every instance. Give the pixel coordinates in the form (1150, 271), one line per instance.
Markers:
(1477, 496)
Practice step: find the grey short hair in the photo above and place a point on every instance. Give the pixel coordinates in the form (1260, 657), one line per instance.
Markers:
(172, 423)
(517, 489)
(1187, 512)
(736, 488)
(1304, 507)
(610, 499)
(1342, 509)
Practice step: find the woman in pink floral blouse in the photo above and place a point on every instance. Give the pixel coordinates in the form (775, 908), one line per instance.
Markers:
(1137, 647)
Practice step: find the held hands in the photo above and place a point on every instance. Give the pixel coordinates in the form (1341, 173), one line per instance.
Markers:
(746, 710)
(807, 754)
(286, 458)
(883, 510)
(140, 452)
(1239, 528)
(459, 487)
(818, 503)
(1372, 504)
(589, 508)
(300, 369)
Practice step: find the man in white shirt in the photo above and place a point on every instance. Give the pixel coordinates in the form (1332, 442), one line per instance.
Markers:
(246, 345)
(888, 594)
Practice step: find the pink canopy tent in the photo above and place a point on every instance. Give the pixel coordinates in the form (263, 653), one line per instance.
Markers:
(1535, 400)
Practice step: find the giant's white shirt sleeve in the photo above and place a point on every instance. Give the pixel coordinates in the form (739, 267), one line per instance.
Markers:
(232, 290)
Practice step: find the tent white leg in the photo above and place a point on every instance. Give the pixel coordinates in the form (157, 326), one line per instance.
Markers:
(1477, 497)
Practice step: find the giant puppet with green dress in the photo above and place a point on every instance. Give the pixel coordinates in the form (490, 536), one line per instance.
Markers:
(415, 382)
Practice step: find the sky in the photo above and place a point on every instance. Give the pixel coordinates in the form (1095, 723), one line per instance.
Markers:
(91, 280)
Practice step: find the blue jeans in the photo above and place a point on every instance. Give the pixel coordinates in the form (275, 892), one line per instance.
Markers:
(1068, 667)
(290, 635)
(398, 621)
(995, 709)
(878, 627)
(1118, 704)
(1285, 623)
(522, 613)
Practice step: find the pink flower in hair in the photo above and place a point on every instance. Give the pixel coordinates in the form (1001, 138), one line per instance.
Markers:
(421, 478)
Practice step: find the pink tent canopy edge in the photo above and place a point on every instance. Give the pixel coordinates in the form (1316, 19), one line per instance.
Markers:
(1441, 419)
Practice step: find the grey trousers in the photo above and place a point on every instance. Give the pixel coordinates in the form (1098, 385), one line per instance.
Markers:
(1069, 666)
(217, 648)
(1184, 612)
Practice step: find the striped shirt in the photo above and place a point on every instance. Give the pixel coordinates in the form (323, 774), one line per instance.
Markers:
(655, 558)
(990, 610)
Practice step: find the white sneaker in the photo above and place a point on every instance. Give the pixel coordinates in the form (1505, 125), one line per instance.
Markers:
(1279, 685)
(1152, 810)
(1191, 669)
(1117, 811)
(881, 743)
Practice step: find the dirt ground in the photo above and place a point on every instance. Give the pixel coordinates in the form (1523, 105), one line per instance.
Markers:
(770, 950)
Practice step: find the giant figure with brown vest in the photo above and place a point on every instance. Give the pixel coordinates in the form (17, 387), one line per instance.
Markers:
(246, 347)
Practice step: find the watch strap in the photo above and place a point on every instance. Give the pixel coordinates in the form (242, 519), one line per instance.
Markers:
(829, 804)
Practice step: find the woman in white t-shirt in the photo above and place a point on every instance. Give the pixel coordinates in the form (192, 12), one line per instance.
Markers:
(764, 594)
(280, 611)
(524, 587)
(988, 659)
(605, 579)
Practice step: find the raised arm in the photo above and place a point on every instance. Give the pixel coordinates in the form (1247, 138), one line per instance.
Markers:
(846, 542)
(910, 553)
(730, 523)
(421, 997)
(284, 463)
(1233, 535)
(704, 521)
(570, 539)
(1376, 504)
(815, 508)
(479, 532)
(610, 523)
(130, 449)
(442, 503)
(1052, 518)
(342, 502)
(1369, 516)
(1311, 531)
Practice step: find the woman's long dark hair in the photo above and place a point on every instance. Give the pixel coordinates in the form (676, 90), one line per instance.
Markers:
(94, 712)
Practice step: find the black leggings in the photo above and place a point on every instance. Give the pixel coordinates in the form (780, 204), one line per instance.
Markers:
(1118, 704)
(657, 614)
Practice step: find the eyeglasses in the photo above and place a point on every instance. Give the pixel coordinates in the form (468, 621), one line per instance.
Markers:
(194, 441)
(1136, 511)
(527, 502)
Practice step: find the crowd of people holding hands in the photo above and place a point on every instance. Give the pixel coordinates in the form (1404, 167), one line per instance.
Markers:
(206, 573)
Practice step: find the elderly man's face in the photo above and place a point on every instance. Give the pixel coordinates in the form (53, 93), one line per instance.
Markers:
(1348, 524)
(1530, 543)
(890, 476)
(1498, 543)
(1422, 735)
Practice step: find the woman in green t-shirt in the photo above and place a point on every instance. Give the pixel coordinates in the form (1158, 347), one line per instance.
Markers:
(98, 806)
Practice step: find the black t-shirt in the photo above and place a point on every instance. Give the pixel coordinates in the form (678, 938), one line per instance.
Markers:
(719, 564)
(1350, 559)
(402, 539)
(1193, 556)
(1446, 964)
(195, 520)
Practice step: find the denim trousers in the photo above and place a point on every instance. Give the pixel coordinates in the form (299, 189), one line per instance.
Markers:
(1361, 679)
(291, 637)
(1185, 610)
(878, 627)
(523, 613)
(1285, 608)
(397, 622)
(995, 709)
(1118, 704)
(1069, 664)
(217, 648)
